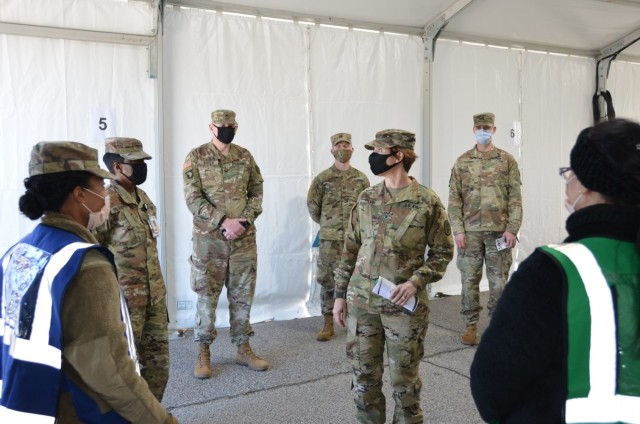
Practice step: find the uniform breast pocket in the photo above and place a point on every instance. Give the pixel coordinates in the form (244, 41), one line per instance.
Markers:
(238, 174)
(500, 170)
(126, 231)
(210, 176)
(411, 231)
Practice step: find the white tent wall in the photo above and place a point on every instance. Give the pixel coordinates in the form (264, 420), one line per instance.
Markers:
(625, 89)
(257, 69)
(292, 86)
(49, 89)
(549, 95)
(91, 15)
(362, 83)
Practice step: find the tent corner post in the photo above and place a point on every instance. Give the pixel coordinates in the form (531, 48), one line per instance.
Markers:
(153, 59)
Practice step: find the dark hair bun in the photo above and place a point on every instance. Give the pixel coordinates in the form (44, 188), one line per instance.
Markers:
(606, 159)
(32, 204)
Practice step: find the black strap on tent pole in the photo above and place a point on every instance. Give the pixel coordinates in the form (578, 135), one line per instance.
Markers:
(610, 112)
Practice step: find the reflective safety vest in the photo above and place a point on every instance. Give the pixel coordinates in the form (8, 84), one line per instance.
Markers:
(603, 320)
(35, 274)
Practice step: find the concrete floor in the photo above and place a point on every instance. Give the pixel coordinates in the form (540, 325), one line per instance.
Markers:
(309, 382)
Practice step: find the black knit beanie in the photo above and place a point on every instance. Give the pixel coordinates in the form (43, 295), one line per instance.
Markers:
(600, 160)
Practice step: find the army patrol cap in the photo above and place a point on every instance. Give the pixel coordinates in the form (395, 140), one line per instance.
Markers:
(337, 138)
(128, 148)
(62, 156)
(224, 117)
(392, 137)
(482, 119)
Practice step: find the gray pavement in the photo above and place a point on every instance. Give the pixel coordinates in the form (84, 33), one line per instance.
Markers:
(309, 381)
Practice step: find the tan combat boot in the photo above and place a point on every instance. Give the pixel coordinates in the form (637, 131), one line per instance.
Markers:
(470, 336)
(245, 356)
(327, 330)
(203, 363)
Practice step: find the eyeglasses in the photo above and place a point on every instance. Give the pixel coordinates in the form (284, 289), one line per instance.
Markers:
(565, 173)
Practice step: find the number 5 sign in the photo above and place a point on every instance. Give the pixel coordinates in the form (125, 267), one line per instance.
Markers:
(102, 124)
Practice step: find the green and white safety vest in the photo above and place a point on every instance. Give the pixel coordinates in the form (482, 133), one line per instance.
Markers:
(603, 319)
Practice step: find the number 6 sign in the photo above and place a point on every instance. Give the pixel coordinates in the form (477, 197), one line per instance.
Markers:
(102, 124)
(515, 134)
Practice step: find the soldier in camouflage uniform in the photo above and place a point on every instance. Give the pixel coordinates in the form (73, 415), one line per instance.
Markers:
(391, 227)
(330, 199)
(485, 204)
(223, 191)
(131, 232)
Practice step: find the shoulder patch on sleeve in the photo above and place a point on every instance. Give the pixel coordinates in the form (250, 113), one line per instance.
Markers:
(187, 169)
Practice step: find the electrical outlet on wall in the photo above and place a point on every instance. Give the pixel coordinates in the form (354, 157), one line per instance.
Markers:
(184, 305)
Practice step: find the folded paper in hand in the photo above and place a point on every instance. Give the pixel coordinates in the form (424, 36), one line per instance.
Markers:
(383, 288)
(501, 243)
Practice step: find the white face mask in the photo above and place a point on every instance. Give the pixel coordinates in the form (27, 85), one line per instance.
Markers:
(571, 207)
(96, 219)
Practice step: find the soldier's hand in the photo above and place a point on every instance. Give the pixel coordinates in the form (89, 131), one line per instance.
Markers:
(460, 240)
(340, 312)
(402, 293)
(510, 238)
(233, 228)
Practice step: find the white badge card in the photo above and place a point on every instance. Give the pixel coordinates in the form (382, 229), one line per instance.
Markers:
(383, 288)
(501, 243)
(102, 124)
(153, 226)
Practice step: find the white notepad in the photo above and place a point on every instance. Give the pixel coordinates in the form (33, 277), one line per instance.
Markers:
(383, 288)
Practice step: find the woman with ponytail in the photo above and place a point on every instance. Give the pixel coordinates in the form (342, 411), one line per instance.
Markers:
(66, 347)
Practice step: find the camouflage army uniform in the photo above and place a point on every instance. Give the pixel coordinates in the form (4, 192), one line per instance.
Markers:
(484, 202)
(216, 187)
(330, 199)
(131, 233)
(388, 236)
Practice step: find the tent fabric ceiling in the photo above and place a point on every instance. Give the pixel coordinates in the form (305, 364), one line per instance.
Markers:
(578, 26)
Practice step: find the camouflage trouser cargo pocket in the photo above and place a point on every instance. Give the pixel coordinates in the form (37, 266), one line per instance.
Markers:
(365, 350)
(328, 259)
(199, 283)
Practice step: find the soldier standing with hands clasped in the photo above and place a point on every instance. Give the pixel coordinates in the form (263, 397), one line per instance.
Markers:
(485, 209)
(130, 233)
(330, 199)
(223, 191)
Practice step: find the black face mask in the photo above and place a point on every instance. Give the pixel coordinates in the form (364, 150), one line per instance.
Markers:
(378, 163)
(225, 134)
(139, 173)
